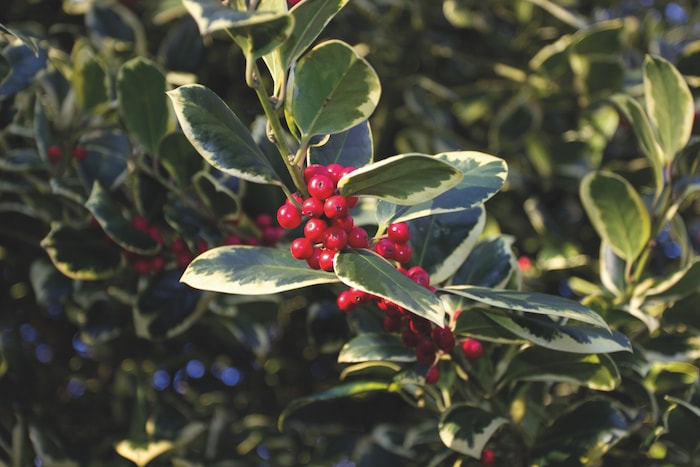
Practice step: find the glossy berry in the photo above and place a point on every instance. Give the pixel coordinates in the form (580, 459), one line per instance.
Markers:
(325, 260)
(398, 232)
(335, 238)
(53, 152)
(297, 199)
(313, 260)
(472, 348)
(385, 248)
(402, 252)
(346, 223)
(346, 170)
(288, 216)
(345, 302)
(312, 207)
(321, 186)
(488, 458)
(358, 238)
(359, 296)
(425, 352)
(334, 171)
(302, 248)
(432, 376)
(443, 338)
(79, 153)
(314, 229)
(419, 276)
(352, 201)
(313, 169)
(335, 206)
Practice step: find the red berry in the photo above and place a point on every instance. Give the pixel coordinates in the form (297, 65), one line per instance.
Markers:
(443, 338)
(334, 171)
(313, 260)
(335, 238)
(399, 232)
(488, 458)
(53, 153)
(352, 201)
(419, 325)
(335, 206)
(314, 229)
(140, 223)
(419, 276)
(359, 296)
(321, 186)
(325, 261)
(392, 309)
(271, 234)
(472, 348)
(183, 259)
(357, 238)
(425, 352)
(345, 301)
(297, 199)
(402, 252)
(524, 263)
(302, 248)
(410, 338)
(312, 207)
(178, 245)
(346, 223)
(157, 263)
(291, 3)
(232, 240)
(263, 220)
(252, 241)
(288, 216)
(385, 248)
(346, 170)
(432, 376)
(79, 153)
(155, 233)
(142, 267)
(202, 246)
(392, 323)
(313, 169)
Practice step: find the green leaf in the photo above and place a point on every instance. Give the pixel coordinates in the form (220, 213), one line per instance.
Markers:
(224, 203)
(682, 424)
(482, 176)
(344, 390)
(89, 78)
(366, 270)
(596, 372)
(475, 323)
(581, 436)
(180, 159)
(350, 148)
(219, 136)
(669, 104)
(106, 160)
(26, 40)
(49, 285)
(402, 179)
(250, 270)
(531, 302)
(110, 218)
(382, 347)
(333, 90)
(256, 32)
(544, 332)
(143, 105)
(677, 285)
(442, 242)
(25, 65)
(310, 19)
(82, 254)
(617, 213)
(490, 264)
(467, 429)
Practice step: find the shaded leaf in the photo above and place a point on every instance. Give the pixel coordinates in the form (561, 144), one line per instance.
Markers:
(82, 254)
(383, 347)
(350, 148)
(89, 78)
(467, 429)
(25, 65)
(490, 264)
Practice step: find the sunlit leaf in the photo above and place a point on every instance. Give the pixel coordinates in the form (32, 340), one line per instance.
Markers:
(382, 347)
(467, 429)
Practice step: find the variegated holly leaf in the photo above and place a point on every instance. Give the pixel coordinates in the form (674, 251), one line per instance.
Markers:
(251, 270)
(440, 243)
(110, 218)
(82, 254)
(482, 176)
(219, 136)
(369, 347)
(367, 271)
(475, 323)
(350, 148)
(542, 331)
(594, 371)
(224, 203)
(89, 79)
(401, 179)
(531, 302)
(617, 212)
(467, 429)
(490, 264)
(333, 90)
(106, 158)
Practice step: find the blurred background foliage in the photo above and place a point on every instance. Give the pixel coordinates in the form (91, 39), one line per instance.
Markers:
(527, 80)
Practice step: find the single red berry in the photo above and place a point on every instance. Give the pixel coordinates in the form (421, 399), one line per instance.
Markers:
(302, 248)
(402, 252)
(142, 267)
(157, 263)
(335, 238)
(79, 153)
(335, 206)
(359, 296)
(313, 260)
(288, 216)
(399, 232)
(392, 309)
(53, 153)
(314, 229)
(271, 234)
(155, 233)
(385, 248)
(334, 170)
(252, 241)
(178, 246)
(352, 201)
(392, 323)
(346, 222)
(321, 186)
(314, 169)
(140, 223)
(312, 207)
(524, 263)
(488, 458)
(297, 199)
(346, 170)
(432, 376)
(443, 338)
(345, 301)
(472, 348)
(232, 240)
(419, 325)
(291, 3)
(425, 352)
(202, 245)
(410, 338)
(419, 276)
(183, 259)
(357, 238)
(263, 220)
(325, 261)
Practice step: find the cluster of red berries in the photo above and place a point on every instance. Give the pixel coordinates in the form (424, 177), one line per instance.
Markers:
(269, 233)
(54, 153)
